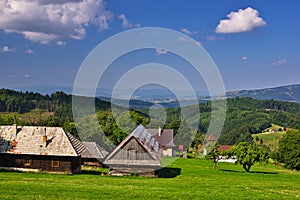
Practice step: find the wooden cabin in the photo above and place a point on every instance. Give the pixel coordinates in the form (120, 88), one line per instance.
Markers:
(32, 148)
(139, 153)
(94, 155)
(165, 140)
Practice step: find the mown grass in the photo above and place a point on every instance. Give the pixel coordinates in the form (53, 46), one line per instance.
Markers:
(197, 180)
(270, 139)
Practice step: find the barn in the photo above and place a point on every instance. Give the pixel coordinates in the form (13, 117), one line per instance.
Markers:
(139, 153)
(32, 148)
(93, 155)
(165, 140)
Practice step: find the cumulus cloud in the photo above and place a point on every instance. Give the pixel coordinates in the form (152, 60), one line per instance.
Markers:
(26, 75)
(7, 49)
(241, 21)
(29, 51)
(244, 58)
(160, 51)
(45, 21)
(188, 32)
(279, 62)
(125, 22)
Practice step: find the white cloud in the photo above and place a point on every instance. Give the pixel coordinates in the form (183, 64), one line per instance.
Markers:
(241, 21)
(214, 38)
(61, 43)
(188, 32)
(45, 21)
(26, 75)
(279, 62)
(29, 51)
(245, 58)
(125, 22)
(186, 39)
(7, 49)
(160, 51)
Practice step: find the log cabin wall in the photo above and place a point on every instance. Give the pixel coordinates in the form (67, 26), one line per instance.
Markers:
(65, 164)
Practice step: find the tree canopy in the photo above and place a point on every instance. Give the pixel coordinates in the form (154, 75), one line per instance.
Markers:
(289, 149)
(249, 153)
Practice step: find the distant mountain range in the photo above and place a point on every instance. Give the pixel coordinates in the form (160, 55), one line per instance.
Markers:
(290, 93)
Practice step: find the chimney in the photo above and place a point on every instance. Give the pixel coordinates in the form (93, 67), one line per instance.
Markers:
(45, 138)
(15, 129)
(15, 125)
(159, 131)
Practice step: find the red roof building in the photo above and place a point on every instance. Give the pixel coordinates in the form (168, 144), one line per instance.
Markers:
(224, 147)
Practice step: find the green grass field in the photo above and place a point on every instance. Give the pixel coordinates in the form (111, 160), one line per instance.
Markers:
(270, 139)
(197, 180)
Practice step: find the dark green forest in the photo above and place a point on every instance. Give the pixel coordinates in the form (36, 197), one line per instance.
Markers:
(245, 116)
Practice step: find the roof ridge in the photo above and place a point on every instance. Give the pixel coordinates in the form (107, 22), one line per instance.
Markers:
(76, 144)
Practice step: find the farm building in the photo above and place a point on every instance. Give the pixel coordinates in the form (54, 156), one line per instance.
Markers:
(139, 153)
(232, 159)
(39, 149)
(93, 155)
(165, 139)
(211, 139)
(224, 147)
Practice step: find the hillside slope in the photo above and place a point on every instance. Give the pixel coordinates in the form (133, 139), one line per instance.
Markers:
(284, 93)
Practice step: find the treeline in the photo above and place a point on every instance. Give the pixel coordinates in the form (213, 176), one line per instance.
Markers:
(245, 116)
(58, 103)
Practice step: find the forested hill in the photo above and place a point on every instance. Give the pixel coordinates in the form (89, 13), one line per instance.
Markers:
(58, 103)
(245, 116)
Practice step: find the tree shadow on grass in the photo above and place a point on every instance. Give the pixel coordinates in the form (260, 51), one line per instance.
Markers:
(93, 172)
(167, 172)
(251, 172)
(259, 172)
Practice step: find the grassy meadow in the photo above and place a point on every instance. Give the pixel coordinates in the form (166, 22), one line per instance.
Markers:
(270, 139)
(197, 180)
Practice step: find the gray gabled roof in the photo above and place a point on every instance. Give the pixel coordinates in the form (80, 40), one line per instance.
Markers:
(93, 150)
(29, 140)
(145, 139)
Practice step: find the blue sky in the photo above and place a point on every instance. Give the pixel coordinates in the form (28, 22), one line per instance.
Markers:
(255, 44)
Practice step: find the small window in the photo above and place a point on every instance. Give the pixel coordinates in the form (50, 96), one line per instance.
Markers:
(27, 162)
(55, 163)
(131, 154)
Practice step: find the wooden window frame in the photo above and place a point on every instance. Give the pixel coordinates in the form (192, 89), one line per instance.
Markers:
(55, 163)
(27, 162)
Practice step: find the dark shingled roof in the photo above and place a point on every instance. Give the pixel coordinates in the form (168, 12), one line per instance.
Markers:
(166, 137)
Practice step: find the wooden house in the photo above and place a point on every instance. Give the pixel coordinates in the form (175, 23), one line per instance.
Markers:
(165, 140)
(139, 153)
(39, 149)
(94, 155)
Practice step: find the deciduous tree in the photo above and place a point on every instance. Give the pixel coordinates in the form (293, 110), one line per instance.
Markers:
(289, 150)
(249, 153)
